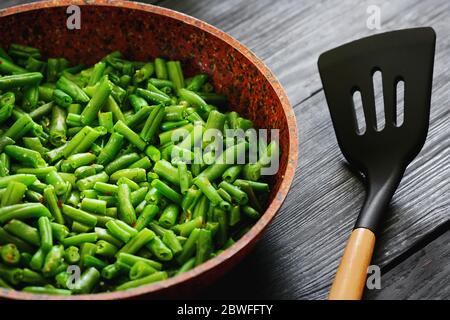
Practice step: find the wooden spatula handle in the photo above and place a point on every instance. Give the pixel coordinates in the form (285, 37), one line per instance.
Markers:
(351, 275)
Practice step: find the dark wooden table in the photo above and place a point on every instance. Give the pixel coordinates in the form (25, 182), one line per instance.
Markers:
(297, 257)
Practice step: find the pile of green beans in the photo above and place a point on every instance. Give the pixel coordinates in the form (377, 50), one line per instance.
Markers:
(88, 179)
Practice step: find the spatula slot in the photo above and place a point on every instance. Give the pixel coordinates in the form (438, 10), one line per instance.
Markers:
(360, 120)
(400, 106)
(377, 79)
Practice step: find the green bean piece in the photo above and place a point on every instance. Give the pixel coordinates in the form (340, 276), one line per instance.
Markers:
(111, 149)
(19, 128)
(126, 209)
(139, 195)
(235, 192)
(72, 255)
(134, 174)
(97, 73)
(35, 144)
(23, 211)
(201, 208)
(193, 98)
(186, 228)
(189, 247)
(88, 280)
(133, 185)
(61, 98)
(105, 188)
(80, 139)
(235, 216)
(169, 216)
(8, 67)
(85, 171)
(122, 162)
(87, 249)
(250, 212)
(144, 237)
(91, 261)
(143, 163)
(103, 234)
(47, 290)
(139, 270)
(154, 96)
(167, 191)
(209, 191)
(32, 277)
(230, 175)
(93, 206)
(144, 73)
(126, 259)
(77, 160)
(13, 194)
(73, 120)
(12, 275)
(59, 231)
(152, 123)
(45, 233)
(37, 260)
(54, 178)
(138, 103)
(161, 69)
(46, 93)
(52, 261)
(129, 134)
(20, 80)
(190, 199)
(188, 265)
(165, 170)
(25, 156)
(23, 231)
(136, 119)
(9, 254)
(112, 106)
(72, 89)
(30, 97)
(118, 232)
(89, 182)
(97, 101)
(79, 215)
(172, 242)
(175, 74)
(106, 249)
(149, 213)
(204, 246)
(106, 120)
(222, 233)
(159, 249)
(75, 108)
(111, 271)
(157, 276)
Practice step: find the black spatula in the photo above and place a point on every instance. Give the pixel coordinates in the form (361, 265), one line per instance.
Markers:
(382, 156)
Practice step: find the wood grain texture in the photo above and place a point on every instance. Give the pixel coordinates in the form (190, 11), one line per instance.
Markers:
(424, 275)
(298, 256)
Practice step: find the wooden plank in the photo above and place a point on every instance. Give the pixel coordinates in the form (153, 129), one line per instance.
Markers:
(424, 275)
